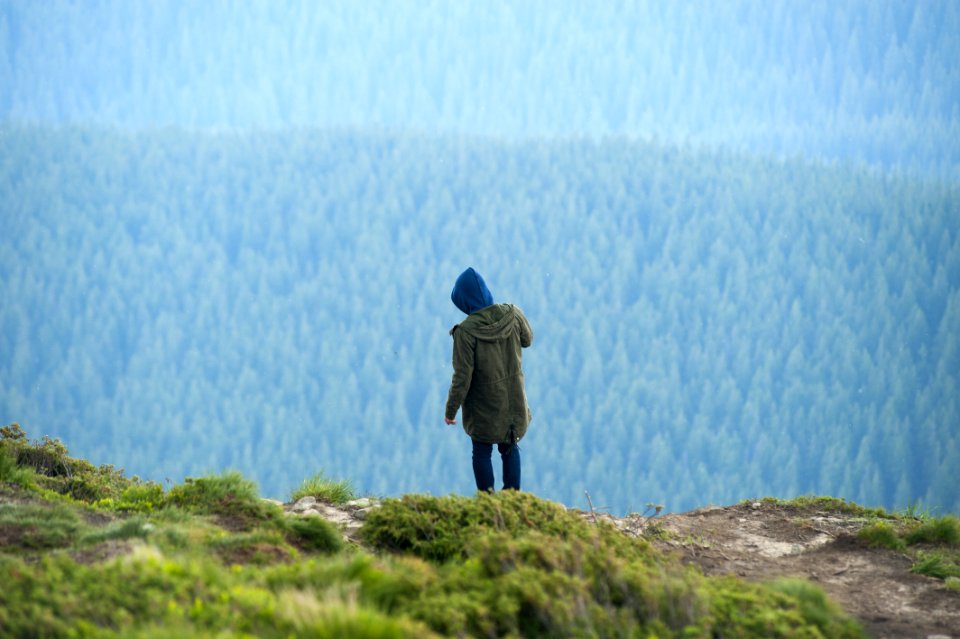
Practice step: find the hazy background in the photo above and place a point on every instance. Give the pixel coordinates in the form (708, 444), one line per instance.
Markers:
(228, 233)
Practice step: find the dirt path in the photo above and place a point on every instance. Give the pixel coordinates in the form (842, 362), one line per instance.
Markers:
(766, 540)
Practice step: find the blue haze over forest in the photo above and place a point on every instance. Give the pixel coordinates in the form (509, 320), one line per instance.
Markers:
(228, 233)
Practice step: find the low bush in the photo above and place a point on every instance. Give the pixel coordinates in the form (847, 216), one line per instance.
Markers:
(13, 473)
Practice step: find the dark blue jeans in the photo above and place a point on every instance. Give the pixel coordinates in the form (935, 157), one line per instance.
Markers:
(483, 468)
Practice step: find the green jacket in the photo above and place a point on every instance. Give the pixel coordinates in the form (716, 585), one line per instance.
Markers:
(487, 374)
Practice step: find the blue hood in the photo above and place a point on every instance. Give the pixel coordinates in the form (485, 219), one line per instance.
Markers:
(470, 293)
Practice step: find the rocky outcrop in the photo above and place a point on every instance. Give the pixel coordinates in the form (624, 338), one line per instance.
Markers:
(348, 516)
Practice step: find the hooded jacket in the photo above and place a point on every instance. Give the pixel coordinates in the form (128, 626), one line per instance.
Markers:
(487, 373)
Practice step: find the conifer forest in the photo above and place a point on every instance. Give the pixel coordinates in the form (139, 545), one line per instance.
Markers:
(229, 232)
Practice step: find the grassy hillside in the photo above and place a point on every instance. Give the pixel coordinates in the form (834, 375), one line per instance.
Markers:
(86, 551)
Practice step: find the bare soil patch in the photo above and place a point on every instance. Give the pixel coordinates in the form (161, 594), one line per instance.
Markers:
(765, 540)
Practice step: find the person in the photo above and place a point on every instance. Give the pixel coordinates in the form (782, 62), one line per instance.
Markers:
(488, 378)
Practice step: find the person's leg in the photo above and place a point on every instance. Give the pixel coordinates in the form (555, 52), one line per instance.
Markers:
(510, 453)
(482, 467)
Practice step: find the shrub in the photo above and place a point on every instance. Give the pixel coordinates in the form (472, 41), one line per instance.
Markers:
(45, 465)
(12, 473)
(325, 490)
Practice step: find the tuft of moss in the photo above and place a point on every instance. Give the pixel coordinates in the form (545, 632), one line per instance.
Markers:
(324, 489)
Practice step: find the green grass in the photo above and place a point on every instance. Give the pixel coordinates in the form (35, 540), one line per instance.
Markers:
(882, 535)
(937, 564)
(940, 530)
(828, 504)
(32, 527)
(313, 533)
(121, 558)
(324, 489)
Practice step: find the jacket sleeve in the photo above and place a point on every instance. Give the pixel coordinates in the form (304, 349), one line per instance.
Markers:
(463, 355)
(526, 332)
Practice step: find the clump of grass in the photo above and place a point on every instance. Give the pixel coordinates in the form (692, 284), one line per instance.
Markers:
(936, 564)
(38, 526)
(830, 504)
(313, 533)
(133, 528)
(324, 489)
(881, 535)
(138, 498)
(940, 530)
(438, 528)
(953, 583)
(260, 547)
(234, 499)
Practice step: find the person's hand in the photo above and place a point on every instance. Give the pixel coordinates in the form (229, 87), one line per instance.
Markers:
(450, 422)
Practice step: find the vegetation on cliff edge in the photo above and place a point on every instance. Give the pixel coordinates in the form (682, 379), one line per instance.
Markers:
(209, 557)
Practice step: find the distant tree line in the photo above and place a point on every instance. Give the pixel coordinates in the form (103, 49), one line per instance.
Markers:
(873, 81)
(708, 326)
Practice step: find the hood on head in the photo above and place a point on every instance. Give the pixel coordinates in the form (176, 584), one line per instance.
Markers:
(470, 293)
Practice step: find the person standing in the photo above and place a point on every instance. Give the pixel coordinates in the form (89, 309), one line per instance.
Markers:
(488, 378)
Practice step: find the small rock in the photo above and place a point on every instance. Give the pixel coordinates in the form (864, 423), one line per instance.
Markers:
(756, 505)
(362, 513)
(363, 502)
(310, 511)
(275, 502)
(304, 503)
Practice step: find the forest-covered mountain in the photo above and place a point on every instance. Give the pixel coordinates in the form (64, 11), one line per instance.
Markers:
(875, 81)
(708, 326)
